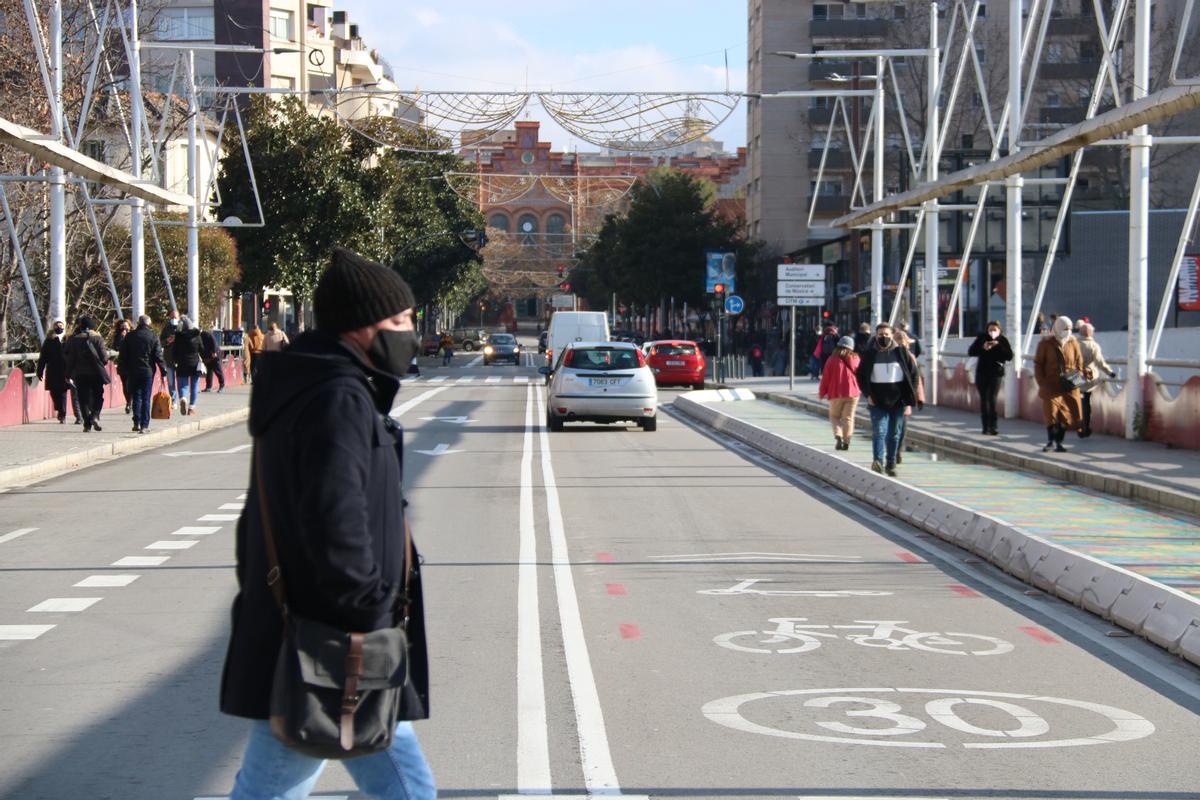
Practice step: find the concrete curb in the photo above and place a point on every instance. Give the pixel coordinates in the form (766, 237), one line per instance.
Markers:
(1165, 616)
(50, 467)
(1129, 488)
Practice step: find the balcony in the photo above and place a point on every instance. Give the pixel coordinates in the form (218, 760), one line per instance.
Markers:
(1072, 26)
(825, 71)
(1070, 71)
(836, 159)
(849, 28)
(830, 205)
(1063, 115)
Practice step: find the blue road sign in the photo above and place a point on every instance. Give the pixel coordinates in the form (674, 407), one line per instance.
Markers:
(734, 304)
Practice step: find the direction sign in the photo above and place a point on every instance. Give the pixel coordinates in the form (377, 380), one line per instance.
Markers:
(814, 302)
(801, 289)
(801, 272)
(734, 304)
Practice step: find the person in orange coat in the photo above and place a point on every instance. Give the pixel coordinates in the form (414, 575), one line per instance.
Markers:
(1057, 355)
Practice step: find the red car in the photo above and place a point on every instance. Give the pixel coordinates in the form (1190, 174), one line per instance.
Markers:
(676, 362)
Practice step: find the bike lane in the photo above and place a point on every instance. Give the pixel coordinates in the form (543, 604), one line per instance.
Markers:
(699, 569)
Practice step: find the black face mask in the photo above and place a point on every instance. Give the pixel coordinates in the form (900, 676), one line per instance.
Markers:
(885, 341)
(393, 351)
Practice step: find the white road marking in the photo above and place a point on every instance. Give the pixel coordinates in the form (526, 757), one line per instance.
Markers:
(493, 379)
(141, 561)
(404, 408)
(438, 379)
(442, 449)
(533, 744)
(453, 420)
(520, 379)
(195, 530)
(751, 556)
(172, 544)
(22, 633)
(18, 533)
(63, 605)
(106, 581)
(230, 451)
(218, 518)
(231, 506)
(475, 362)
(599, 774)
(241, 497)
(468, 379)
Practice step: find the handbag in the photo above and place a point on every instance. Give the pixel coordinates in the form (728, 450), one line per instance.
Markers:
(1069, 379)
(335, 694)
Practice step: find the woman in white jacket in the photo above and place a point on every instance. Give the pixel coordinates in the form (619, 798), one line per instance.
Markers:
(1093, 359)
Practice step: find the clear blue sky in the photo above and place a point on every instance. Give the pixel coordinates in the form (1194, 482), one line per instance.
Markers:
(654, 45)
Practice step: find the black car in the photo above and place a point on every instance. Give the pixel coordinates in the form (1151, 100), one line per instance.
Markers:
(501, 347)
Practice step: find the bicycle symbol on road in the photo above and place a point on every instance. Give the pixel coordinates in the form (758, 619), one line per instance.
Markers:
(746, 586)
(790, 636)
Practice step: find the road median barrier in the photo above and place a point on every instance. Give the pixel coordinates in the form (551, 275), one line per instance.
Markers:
(1163, 615)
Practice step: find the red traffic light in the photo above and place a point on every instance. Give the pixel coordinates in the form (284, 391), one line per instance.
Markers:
(825, 314)
(719, 288)
(566, 287)
(561, 269)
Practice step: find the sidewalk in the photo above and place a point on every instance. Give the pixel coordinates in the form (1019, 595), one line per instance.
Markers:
(40, 450)
(1144, 471)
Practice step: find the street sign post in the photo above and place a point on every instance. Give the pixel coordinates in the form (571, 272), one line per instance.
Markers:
(810, 302)
(798, 285)
(801, 272)
(801, 289)
(734, 304)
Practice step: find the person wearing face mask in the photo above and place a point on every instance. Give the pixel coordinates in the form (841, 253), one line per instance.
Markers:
(991, 351)
(1093, 363)
(330, 462)
(1056, 361)
(166, 338)
(52, 370)
(887, 375)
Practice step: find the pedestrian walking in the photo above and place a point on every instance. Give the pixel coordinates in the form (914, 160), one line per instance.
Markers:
(779, 361)
(1093, 361)
(1039, 326)
(1058, 370)
(887, 375)
(333, 499)
(210, 354)
(862, 339)
(186, 355)
(119, 334)
(991, 351)
(166, 338)
(254, 343)
(906, 343)
(840, 387)
(756, 360)
(447, 345)
(87, 361)
(52, 370)
(911, 342)
(274, 340)
(142, 355)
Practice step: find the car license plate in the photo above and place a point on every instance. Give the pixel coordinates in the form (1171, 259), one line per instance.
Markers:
(604, 381)
(674, 363)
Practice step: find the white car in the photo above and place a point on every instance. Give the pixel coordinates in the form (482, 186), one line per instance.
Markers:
(601, 382)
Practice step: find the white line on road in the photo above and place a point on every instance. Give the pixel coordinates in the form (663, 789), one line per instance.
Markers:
(599, 774)
(493, 379)
(196, 530)
(438, 379)
(230, 451)
(468, 379)
(231, 506)
(533, 744)
(521, 379)
(218, 518)
(106, 581)
(24, 633)
(172, 544)
(63, 605)
(19, 532)
(241, 497)
(442, 449)
(404, 408)
(141, 561)
(475, 362)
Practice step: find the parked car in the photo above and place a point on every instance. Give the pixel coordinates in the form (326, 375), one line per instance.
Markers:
(601, 382)
(469, 339)
(430, 344)
(676, 362)
(501, 347)
(543, 341)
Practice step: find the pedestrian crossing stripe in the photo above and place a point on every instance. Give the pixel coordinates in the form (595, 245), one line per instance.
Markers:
(465, 380)
(22, 632)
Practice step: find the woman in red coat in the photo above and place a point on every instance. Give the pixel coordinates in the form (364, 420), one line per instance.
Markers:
(840, 387)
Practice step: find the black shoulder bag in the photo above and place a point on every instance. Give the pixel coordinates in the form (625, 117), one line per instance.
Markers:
(1069, 379)
(335, 694)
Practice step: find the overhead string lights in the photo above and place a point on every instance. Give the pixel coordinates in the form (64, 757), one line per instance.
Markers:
(580, 191)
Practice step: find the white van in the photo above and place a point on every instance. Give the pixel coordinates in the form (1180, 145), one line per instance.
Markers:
(574, 326)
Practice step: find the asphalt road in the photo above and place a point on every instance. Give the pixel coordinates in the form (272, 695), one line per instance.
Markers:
(611, 611)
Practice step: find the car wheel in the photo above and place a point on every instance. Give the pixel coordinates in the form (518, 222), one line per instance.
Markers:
(697, 386)
(552, 422)
(648, 423)
(468, 346)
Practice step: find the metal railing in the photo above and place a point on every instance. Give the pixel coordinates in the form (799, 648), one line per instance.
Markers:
(729, 368)
(1168, 363)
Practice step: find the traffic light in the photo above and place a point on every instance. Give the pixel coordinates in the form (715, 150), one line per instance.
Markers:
(825, 314)
(719, 290)
(561, 269)
(566, 287)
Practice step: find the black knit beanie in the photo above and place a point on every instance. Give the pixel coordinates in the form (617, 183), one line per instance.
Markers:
(354, 292)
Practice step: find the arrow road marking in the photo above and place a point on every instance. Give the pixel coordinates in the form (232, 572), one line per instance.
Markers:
(455, 420)
(230, 451)
(439, 450)
(8, 537)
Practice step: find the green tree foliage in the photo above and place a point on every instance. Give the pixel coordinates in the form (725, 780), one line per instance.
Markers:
(656, 249)
(323, 184)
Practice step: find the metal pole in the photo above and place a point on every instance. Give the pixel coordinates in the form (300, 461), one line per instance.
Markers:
(193, 232)
(57, 184)
(1139, 219)
(16, 245)
(792, 349)
(1013, 245)
(137, 252)
(877, 230)
(720, 324)
(930, 327)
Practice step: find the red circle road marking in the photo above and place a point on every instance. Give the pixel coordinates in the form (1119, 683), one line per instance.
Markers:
(616, 589)
(630, 631)
(604, 557)
(908, 557)
(964, 591)
(1045, 637)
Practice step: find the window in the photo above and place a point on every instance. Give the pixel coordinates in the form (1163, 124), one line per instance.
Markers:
(860, 10)
(899, 12)
(282, 82)
(981, 54)
(281, 25)
(982, 10)
(1052, 100)
(499, 222)
(976, 101)
(556, 223)
(1054, 53)
(185, 24)
(825, 188)
(94, 149)
(820, 11)
(968, 141)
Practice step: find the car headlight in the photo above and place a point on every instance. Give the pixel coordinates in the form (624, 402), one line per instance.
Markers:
(517, 349)
(488, 350)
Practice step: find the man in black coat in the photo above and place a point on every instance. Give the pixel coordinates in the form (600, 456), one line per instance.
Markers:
(330, 458)
(52, 371)
(87, 369)
(141, 353)
(210, 353)
(887, 375)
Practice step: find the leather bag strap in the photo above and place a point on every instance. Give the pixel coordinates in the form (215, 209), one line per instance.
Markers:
(274, 574)
(353, 667)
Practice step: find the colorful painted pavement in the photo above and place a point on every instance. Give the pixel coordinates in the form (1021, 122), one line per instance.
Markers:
(1155, 544)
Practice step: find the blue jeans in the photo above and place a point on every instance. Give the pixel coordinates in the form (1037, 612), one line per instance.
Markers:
(270, 771)
(186, 380)
(886, 428)
(141, 390)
